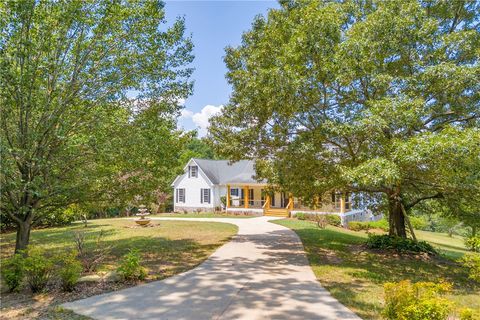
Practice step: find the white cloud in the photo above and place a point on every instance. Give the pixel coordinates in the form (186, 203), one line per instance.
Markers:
(185, 114)
(200, 119)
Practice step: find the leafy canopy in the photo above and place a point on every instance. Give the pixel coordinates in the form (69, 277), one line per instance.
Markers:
(89, 95)
(379, 97)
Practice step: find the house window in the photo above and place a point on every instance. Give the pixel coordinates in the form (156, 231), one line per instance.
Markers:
(234, 192)
(336, 199)
(205, 195)
(180, 196)
(347, 201)
(251, 200)
(192, 171)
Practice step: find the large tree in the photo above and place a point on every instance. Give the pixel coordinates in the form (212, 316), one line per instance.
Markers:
(73, 74)
(373, 97)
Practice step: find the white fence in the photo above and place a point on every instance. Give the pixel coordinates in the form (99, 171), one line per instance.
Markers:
(353, 215)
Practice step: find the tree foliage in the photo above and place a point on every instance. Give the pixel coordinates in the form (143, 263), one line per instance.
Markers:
(377, 97)
(196, 148)
(89, 95)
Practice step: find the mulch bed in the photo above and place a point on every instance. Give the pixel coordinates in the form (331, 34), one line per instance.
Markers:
(25, 305)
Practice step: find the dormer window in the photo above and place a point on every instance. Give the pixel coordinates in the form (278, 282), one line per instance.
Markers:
(192, 171)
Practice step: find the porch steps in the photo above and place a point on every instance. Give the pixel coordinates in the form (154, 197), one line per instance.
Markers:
(276, 212)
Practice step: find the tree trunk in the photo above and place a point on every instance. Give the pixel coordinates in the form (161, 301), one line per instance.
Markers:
(23, 236)
(397, 219)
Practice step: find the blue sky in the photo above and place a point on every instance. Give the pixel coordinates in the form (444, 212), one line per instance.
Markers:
(213, 25)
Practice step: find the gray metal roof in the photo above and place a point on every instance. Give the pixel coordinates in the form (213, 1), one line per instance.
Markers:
(223, 172)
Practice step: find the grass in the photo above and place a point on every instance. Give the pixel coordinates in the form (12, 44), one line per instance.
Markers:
(356, 277)
(451, 247)
(168, 248)
(201, 215)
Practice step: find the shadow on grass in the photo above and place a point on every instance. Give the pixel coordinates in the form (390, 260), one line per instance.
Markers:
(57, 238)
(163, 257)
(384, 267)
(364, 309)
(370, 268)
(444, 245)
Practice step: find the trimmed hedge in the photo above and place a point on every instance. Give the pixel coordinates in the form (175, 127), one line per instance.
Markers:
(332, 219)
(358, 226)
(367, 225)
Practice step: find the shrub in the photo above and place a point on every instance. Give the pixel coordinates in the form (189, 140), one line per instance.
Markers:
(367, 225)
(386, 242)
(90, 256)
(334, 220)
(380, 224)
(331, 219)
(473, 243)
(418, 301)
(419, 223)
(12, 270)
(38, 269)
(223, 200)
(321, 220)
(130, 267)
(69, 271)
(466, 314)
(358, 226)
(472, 262)
(300, 216)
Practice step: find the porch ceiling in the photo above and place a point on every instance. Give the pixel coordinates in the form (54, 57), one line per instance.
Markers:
(252, 185)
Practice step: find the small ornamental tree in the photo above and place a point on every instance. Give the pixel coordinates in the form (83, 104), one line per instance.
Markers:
(377, 97)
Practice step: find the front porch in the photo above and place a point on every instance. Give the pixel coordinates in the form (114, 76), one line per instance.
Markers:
(259, 200)
(255, 199)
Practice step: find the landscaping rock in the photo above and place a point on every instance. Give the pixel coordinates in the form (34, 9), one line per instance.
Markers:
(90, 278)
(112, 276)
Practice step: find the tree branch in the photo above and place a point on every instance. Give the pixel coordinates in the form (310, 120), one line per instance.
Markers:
(438, 195)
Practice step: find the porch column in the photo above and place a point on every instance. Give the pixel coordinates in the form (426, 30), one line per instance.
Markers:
(290, 200)
(342, 203)
(245, 196)
(267, 201)
(228, 196)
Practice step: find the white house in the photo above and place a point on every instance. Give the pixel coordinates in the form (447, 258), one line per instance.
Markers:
(204, 183)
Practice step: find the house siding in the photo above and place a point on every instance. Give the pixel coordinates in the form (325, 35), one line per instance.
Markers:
(211, 177)
(192, 188)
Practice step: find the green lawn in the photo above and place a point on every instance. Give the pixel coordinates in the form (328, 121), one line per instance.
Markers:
(168, 248)
(201, 215)
(355, 277)
(451, 247)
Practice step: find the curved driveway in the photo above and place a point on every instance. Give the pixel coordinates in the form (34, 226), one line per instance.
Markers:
(262, 273)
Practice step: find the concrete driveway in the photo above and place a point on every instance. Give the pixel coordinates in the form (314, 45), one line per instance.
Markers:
(262, 273)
